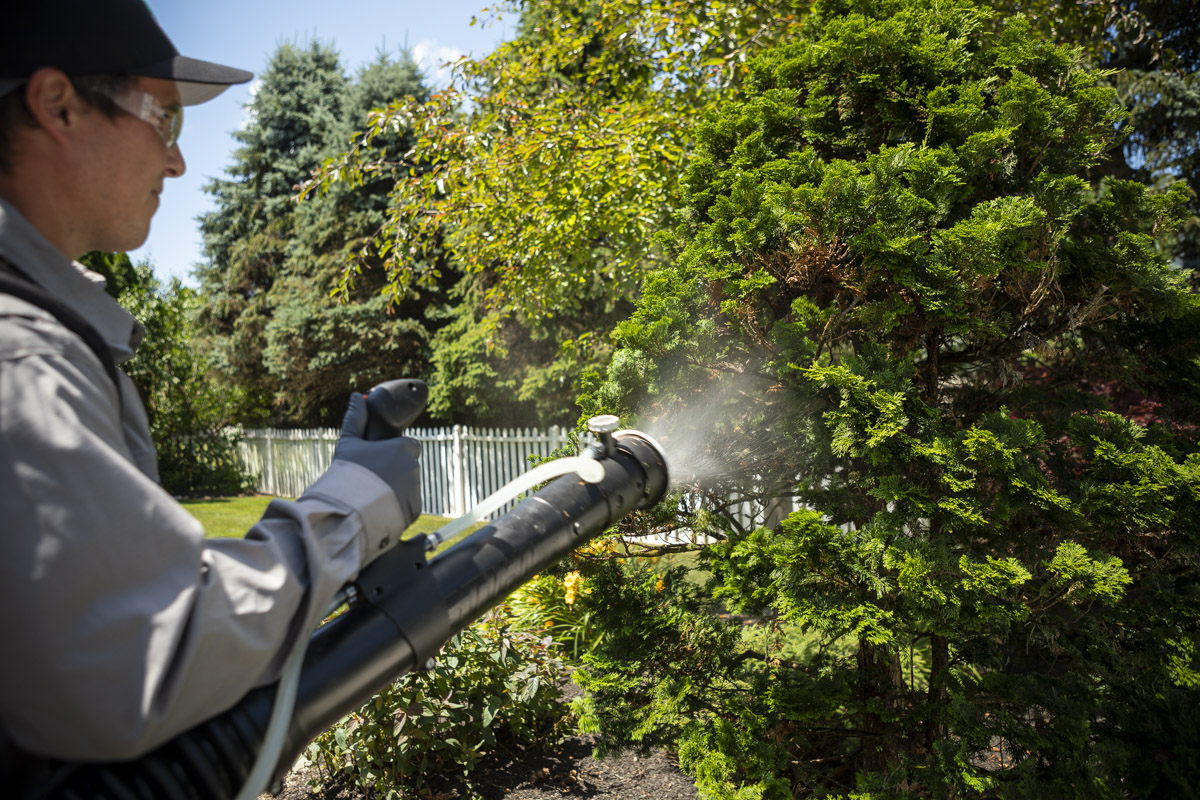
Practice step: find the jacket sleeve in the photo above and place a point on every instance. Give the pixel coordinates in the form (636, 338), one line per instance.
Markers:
(122, 624)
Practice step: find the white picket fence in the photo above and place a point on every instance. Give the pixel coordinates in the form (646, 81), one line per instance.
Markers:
(459, 465)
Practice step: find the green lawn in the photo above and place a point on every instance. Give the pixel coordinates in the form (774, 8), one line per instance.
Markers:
(233, 516)
(227, 516)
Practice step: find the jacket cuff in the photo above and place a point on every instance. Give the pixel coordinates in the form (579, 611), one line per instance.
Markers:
(360, 491)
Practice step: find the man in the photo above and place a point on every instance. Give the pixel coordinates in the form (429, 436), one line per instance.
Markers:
(122, 626)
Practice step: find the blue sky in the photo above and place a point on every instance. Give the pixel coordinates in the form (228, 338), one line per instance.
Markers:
(244, 34)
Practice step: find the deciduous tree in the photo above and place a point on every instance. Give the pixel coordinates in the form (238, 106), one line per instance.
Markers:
(544, 174)
(190, 410)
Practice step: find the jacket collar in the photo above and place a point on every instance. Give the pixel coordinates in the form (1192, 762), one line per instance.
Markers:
(69, 281)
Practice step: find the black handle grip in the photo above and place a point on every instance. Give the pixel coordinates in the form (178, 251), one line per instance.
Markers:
(393, 406)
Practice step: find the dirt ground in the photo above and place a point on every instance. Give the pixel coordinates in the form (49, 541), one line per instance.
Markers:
(561, 772)
(566, 771)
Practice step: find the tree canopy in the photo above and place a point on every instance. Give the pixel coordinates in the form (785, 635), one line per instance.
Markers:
(1153, 50)
(547, 170)
(544, 174)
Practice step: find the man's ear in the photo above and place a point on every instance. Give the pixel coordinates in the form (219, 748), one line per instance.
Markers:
(53, 102)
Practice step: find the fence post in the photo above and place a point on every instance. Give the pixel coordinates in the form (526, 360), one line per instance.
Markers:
(270, 464)
(460, 482)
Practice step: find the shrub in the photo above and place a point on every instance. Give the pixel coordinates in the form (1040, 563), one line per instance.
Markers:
(190, 412)
(493, 686)
(897, 295)
(552, 606)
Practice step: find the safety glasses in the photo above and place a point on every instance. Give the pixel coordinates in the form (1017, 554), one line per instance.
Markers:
(167, 120)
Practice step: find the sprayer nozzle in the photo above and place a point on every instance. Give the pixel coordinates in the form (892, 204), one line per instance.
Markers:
(603, 426)
(605, 423)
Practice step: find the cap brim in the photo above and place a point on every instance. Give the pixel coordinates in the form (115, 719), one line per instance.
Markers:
(198, 81)
(193, 94)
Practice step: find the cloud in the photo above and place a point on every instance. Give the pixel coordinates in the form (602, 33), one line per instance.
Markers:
(435, 60)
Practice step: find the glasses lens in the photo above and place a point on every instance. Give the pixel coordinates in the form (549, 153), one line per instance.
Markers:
(170, 124)
(167, 120)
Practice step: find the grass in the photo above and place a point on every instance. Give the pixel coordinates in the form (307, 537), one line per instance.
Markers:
(232, 517)
(227, 516)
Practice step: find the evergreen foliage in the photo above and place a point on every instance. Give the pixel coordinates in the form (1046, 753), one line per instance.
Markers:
(1153, 47)
(270, 319)
(295, 109)
(549, 189)
(321, 344)
(897, 296)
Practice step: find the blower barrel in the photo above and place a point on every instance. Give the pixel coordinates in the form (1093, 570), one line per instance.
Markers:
(405, 609)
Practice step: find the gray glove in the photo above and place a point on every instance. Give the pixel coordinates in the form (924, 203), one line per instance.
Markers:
(394, 460)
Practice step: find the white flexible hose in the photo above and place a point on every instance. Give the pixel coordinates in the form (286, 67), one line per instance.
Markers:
(588, 468)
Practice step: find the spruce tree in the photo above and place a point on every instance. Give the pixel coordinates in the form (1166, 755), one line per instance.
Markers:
(295, 113)
(324, 338)
(280, 320)
(898, 300)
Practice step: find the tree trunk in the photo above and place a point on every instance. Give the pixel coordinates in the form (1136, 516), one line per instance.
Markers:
(939, 671)
(881, 684)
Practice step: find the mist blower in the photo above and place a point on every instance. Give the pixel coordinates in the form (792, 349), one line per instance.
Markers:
(401, 609)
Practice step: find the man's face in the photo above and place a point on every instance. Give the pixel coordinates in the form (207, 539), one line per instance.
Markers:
(123, 171)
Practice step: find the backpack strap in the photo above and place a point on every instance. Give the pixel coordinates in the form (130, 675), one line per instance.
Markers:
(17, 284)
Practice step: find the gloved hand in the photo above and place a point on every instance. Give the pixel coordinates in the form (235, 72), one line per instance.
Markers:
(394, 460)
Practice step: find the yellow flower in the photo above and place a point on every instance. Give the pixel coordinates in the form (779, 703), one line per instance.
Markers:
(658, 587)
(601, 546)
(571, 582)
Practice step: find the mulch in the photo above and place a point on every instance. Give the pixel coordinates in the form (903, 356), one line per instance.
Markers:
(567, 770)
(562, 771)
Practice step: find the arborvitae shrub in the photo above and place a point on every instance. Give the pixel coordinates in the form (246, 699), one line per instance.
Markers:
(898, 297)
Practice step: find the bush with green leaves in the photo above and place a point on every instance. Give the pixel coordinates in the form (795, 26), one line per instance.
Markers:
(189, 410)
(551, 605)
(493, 686)
(898, 297)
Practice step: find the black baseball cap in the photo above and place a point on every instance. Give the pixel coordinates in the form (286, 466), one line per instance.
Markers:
(92, 37)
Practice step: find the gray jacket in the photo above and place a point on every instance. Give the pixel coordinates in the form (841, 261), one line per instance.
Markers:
(121, 625)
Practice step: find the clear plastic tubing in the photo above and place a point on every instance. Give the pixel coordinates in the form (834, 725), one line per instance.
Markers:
(586, 466)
